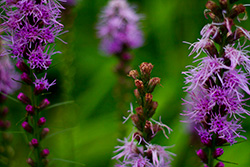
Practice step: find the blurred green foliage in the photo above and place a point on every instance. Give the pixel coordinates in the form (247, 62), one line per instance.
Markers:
(86, 131)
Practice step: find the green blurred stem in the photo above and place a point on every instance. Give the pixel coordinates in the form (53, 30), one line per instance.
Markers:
(36, 133)
(211, 151)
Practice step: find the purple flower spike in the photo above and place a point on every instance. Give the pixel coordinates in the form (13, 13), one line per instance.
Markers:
(23, 98)
(30, 109)
(41, 121)
(27, 127)
(118, 27)
(45, 152)
(220, 164)
(218, 152)
(34, 142)
(44, 103)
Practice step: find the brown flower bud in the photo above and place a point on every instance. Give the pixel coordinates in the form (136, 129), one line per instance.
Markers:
(139, 85)
(146, 68)
(210, 47)
(134, 74)
(148, 98)
(152, 84)
(211, 5)
(139, 110)
(223, 4)
(152, 110)
(236, 10)
(136, 121)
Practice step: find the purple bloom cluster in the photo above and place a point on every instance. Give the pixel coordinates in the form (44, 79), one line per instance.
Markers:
(31, 25)
(118, 28)
(7, 74)
(216, 86)
(134, 155)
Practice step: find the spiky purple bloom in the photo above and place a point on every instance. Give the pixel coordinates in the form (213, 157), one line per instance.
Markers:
(217, 86)
(118, 27)
(7, 74)
(30, 25)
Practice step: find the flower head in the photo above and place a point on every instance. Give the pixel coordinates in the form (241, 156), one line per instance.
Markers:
(118, 27)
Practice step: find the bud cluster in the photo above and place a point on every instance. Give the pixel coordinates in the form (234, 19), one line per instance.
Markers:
(142, 152)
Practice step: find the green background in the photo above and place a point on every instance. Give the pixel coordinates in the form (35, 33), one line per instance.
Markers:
(87, 130)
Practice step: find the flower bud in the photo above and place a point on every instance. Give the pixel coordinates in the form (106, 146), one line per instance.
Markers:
(23, 98)
(30, 109)
(202, 155)
(214, 8)
(45, 153)
(148, 98)
(44, 103)
(223, 4)
(152, 110)
(4, 112)
(134, 74)
(136, 121)
(152, 84)
(23, 67)
(146, 68)
(139, 110)
(25, 77)
(210, 47)
(137, 94)
(218, 152)
(139, 85)
(219, 164)
(30, 162)
(27, 127)
(44, 132)
(39, 89)
(236, 10)
(41, 121)
(34, 142)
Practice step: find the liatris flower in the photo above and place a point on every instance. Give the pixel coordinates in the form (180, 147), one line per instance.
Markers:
(118, 28)
(216, 86)
(139, 151)
(30, 27)
(7, 77)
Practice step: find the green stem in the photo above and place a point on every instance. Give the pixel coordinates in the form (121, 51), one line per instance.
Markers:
(211, 151)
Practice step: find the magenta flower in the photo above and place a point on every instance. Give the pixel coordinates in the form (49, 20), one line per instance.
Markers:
(118, 28)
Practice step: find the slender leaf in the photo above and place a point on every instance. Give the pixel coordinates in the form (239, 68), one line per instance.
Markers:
(68, 161)
(11, 98)
(59, 104)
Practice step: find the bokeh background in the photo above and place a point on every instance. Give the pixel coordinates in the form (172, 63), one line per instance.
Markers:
(86, 131)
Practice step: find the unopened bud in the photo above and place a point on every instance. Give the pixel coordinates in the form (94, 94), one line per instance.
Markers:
(34, 142)
(134, 74)
(30, 109)
(223, 4)
(148, 98)
(45, 153)
(23, 98)
(210, 47)
(44, 132)
(27, 127)
(218, 152)
(30, 162)
(214, 8)
(38, 89)
(152, 84)
(139, 110)
(23, 67)
(152, 110)
(220, 164)
(139, 85)
(44, 103)
(202, 155)
(146, 68)
(236, 10)
(136, 121)
(137, 94)
(25, 77)
(41, 121)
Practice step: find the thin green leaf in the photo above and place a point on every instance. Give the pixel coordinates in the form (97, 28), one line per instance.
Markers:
(20, 120)
(19, 81)
(234, 143)
(59, 104)
(228, 162)
(11, 98)
(68, 161)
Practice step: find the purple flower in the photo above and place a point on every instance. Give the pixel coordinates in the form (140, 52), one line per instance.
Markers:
(118, 27)
(7, 74)
(43, 83)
